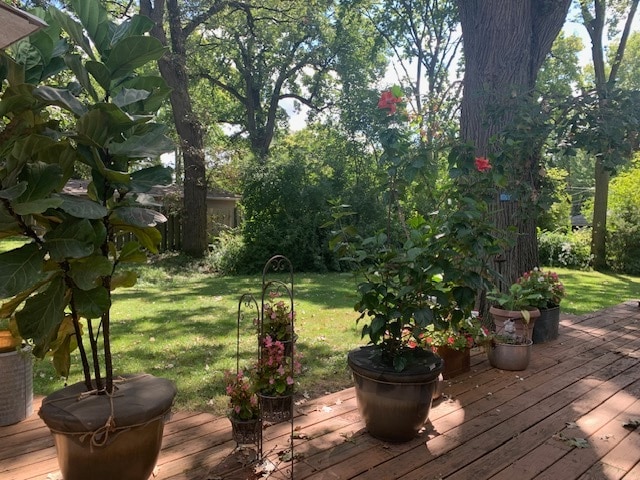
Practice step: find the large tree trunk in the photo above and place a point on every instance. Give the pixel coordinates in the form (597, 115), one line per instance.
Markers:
(173, 69)
(505, 43)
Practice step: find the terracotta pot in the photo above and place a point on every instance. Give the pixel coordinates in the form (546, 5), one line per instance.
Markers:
(500, 317)
(456, 362)
(129, 449)
(506, 356)
(547, 325)
(394, 405)
(8, 342)
(276, 409)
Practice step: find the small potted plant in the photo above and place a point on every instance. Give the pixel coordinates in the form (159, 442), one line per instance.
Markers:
(508, 350)
(274, 380)
(516, 304)
(550, 292)
(453, 343)
(244, 411)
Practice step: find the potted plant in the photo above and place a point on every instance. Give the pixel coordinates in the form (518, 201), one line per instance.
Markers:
(60, 283)
(453, 343)
(420, 274)
(550, 292)
(244, 411)
(508, 351)
(273, 374)
(515, 304)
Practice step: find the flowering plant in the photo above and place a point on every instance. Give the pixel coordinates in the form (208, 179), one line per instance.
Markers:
(243, 401)
(546, 285)
(422, 277)
(278, 319)
(274, 371)
(460, 335)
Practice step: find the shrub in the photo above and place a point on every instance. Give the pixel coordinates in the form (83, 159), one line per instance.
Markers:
(572, 250)
(227, 252)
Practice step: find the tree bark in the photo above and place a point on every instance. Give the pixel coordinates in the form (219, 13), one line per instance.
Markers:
(173, 69)
(505, 43)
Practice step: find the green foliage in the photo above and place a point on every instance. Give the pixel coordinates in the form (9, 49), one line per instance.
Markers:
(624, 221)
(287, 201)
(65, 274)
(558, 216)
(227, 253)
(569, 250)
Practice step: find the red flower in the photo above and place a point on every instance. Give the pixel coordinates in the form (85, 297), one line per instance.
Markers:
(388, 100)
(482, 164)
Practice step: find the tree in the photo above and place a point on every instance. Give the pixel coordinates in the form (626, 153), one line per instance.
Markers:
(594, 17)
(257, 55)
(173, 69)
(505, 43)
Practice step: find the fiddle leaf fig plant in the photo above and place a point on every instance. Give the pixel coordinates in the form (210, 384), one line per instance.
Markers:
(68, 101)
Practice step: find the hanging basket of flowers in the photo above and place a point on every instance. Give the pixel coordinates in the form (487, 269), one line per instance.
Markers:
(244, 409)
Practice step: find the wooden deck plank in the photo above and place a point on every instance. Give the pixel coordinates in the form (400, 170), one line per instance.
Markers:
(489, 424)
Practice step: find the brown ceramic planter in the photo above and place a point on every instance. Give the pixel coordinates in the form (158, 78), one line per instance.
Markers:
(456, 362)
(128, 449)
(394, 405)
(506, 356)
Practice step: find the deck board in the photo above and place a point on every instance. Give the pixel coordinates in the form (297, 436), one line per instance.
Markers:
(489, 424)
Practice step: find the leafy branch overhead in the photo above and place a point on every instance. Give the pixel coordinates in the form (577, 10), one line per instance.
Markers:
(103, 119)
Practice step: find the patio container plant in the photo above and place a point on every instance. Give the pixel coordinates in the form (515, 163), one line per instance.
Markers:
(244, 409)
(423, 273)
(551, 291)
(96, 116)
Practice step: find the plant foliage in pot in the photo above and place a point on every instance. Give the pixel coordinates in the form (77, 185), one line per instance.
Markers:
(422, 273)
(516, 305)
(550, 292)
(76, 102)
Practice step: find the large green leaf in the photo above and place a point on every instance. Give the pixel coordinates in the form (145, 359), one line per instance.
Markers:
(152, 143)
(14, 192)
(131, 252)
(82, 208)
(100, 72)
(137, 217)
(62, 98)
(71, 239)
(41, 316)
(156, 86)
(92, 303)
(149, 237)
(42, 179)
(88, 272)
(136, 25)
(147, 178)
(73, 28)
(127, 96)
(94, 18)
(125, 279)
(21, 268)
(36, 206)
(131, 53)
(74, 62)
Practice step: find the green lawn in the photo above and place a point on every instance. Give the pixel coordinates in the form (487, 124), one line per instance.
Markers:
(181, 324)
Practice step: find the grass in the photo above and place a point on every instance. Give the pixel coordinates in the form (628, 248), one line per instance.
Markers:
(180, 323)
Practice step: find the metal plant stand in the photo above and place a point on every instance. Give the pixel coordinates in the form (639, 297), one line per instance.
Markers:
(277, 288)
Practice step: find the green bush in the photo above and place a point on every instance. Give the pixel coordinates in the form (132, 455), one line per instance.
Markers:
(623, 236)
(227, 253)
(572, 250)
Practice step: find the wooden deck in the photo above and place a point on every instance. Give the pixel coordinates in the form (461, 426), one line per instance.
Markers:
(561, 419)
